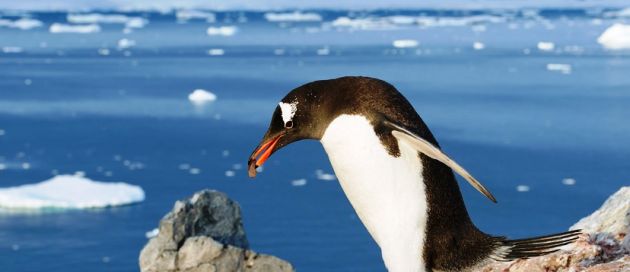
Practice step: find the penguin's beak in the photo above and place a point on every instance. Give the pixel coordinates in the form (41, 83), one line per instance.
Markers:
(264, 149)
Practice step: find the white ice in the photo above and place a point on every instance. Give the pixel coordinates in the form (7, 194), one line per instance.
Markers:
(94, 18)
(321, 175)
(70, 192)
(295, 16)
(200, 96)
(81, 29)
(298, 182)
(522, 188)
(616, 37)
(568, 181)
(22, 23)
(546, 46)
(559, 67)
(185, 15)
(222, 30)
(479, 46)
(216, 52)
(12, 49)
(407, 43)
(126, 43)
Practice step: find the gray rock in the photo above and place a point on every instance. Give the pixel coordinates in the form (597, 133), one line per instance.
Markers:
(205, 233)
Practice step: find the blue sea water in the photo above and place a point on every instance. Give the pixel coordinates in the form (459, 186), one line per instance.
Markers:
(65, 107)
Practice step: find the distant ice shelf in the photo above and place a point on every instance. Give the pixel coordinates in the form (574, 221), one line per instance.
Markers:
(69, 192)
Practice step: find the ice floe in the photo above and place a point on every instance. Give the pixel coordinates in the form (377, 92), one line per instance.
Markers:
(70, 192)
(568, 181)
(186, 15)
(229, 173)
(298, 182)
(95, 18)
(216, 52)
(222, 30)
(406, 43)
(522, 188)
(559, 67)
(321, 175)
(616, 37)
(201, 96)
(22, 23)
(126, 43)
(397, 21)
(295, 16)
(546, 46)
(12, 49)
(81, 29)
(478, 46)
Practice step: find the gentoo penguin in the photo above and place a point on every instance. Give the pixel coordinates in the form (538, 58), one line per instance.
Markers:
(396, 177)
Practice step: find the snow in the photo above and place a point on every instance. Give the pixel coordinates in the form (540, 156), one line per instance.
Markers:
(559, 67)
(22, 23)
(81, 29)
(200, 96)
(216, 52)
(295, 16)
(222, 31)
(298, 182)
(522, 188)
(185, 15)
(405, 43)
(546, 46)
(70, 192)
(479, 46)
(616, 37)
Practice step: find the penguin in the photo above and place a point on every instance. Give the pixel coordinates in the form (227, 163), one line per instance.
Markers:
(396, 177)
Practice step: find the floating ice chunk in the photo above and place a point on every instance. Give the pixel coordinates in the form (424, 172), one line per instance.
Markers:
(522, 188)
(103, 51)
(237, 166)
(81, 29)
(229, 173)
(184, 166)
(70, 192)
(324, 51)
(152, 233)
(298, 182)
(546, 46)
(22, 23)
(616, 37)
(91, 18)
(225, 153)
(479, 46)
(407, 43)
(216, 52)
(324, 176)
(3, 166)
(559, 67)
(363, 23)
(222, 31)
(2, 132)
(126, 43)
(200, 96)
(295, 16)
(622, 13)
(185, 15)
(26, 165)
(136, 22)
(402, 20)
(194, 171)
(12, 49)
(568, 181)
(278, 51)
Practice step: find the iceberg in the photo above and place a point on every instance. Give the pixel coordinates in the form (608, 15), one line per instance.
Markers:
(125, 43)
(185, 15)
(70, 192)
(546, 46)
(81, 29)
(616, 37)
(405, 43)
(559, 67)
(94, 18)
(216, 52)
(295, 16)
(478, 46)
(222, 31)
(298, 182)
(22, 23)
(200, 96)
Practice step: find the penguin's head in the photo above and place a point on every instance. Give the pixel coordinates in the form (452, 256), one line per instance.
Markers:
(298, 116)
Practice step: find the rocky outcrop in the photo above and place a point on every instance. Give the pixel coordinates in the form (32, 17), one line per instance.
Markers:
(604, 246)
(205, 233)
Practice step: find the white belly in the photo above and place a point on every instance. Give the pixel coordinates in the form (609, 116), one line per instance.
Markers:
(387, 193)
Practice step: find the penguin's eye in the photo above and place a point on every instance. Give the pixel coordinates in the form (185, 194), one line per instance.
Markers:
(288, 124)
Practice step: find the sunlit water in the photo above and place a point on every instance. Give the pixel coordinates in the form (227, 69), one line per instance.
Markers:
(66, 106)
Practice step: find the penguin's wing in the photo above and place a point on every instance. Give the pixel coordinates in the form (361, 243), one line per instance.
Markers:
(425, 147)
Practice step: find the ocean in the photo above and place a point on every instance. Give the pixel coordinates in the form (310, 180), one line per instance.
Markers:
(526, 100)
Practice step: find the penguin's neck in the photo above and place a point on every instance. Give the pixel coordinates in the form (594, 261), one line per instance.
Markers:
(387, 192)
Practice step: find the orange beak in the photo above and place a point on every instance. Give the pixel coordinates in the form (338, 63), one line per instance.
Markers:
(265, 149)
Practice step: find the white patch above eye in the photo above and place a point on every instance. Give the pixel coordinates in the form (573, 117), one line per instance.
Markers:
(288, 110)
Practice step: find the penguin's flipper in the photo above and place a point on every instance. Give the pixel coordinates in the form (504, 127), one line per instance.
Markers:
(425, 147)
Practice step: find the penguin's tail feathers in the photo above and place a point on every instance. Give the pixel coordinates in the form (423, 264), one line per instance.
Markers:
(508, 250)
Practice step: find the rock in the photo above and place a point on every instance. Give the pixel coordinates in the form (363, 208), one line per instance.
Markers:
(604, 246)
(205, 233)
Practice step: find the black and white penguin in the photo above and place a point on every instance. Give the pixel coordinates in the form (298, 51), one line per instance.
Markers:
(396, 177)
